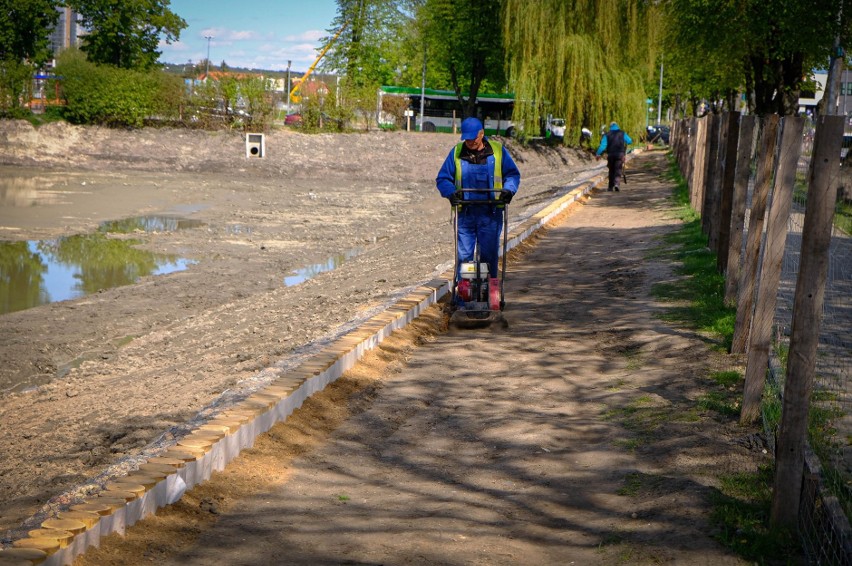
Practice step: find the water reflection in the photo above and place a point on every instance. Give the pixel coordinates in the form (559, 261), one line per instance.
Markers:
(25, 191)
(34, 273)
(150, 223)
(305, 273)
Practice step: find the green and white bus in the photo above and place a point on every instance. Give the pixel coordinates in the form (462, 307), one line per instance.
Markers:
(441, 114)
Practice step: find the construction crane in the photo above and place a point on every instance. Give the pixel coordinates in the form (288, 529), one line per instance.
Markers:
(296, 98)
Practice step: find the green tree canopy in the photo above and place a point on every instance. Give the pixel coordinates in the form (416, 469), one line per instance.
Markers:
(766, 48)
(464, 41)
(25, 27)
(126, 33)
(370, 48)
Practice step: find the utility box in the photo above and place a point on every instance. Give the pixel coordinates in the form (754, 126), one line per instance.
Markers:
(255, 145)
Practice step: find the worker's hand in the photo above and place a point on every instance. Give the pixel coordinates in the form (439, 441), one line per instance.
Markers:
(455, 199)
(597, 157)
(506, 196)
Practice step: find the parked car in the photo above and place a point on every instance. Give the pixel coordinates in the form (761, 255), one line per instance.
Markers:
(658, 133)
(292, 119)
(845, 145)
(844, 181)
(555, 128)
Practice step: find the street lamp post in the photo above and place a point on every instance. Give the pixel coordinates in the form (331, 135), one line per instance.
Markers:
(422, 89)
(289, 62)
(660, 97)
(207, 71)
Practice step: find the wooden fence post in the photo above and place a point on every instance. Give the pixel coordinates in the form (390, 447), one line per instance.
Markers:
(729, 167)
(712, 196)
(683, 147)
(807, 316)
(738, 207)
(699, 168)
(705, 196)
(747, 288)
(770, 267)
(690, 161)
(674, 140)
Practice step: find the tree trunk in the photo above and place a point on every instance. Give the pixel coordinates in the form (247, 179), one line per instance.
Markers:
(792, 69)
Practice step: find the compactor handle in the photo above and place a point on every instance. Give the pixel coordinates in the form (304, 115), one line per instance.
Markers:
(464, 199)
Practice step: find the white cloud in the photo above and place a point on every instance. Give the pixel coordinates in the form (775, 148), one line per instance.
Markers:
(242, 35)
(303, 48)
(227, 36)
(310, 35)
(247, 48)
(174, 47)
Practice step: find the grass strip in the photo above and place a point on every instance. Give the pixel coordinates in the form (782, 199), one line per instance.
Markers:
(741, 504)
(698, 296)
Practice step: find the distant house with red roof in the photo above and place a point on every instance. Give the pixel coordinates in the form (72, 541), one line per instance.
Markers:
(277, 84)
(313, 88)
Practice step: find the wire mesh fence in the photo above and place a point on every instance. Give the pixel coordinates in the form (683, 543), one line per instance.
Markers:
(826, 496)
(829, 493)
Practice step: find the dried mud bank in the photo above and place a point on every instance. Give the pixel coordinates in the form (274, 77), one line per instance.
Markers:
(125, 369)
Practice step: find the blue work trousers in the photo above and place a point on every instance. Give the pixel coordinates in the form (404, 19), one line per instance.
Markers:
(480, 225)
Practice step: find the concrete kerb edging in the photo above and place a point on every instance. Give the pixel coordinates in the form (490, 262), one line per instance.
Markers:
(209, 449)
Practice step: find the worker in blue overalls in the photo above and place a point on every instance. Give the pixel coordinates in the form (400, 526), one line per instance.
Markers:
(478, 163)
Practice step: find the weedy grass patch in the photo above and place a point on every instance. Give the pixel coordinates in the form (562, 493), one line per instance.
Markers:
(697, 297)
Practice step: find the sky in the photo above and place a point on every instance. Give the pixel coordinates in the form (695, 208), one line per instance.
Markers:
(254, 34)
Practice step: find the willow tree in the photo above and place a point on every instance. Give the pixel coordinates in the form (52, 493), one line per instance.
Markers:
(585, 60)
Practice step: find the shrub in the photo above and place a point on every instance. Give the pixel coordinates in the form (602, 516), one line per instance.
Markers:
(100, 94)
(258, 102)
(15, 88)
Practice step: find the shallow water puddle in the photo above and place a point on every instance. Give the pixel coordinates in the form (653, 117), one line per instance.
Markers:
(151, 223)
(305, 273)
(38, 272)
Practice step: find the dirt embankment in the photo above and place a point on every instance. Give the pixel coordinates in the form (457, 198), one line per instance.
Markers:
(91, 382)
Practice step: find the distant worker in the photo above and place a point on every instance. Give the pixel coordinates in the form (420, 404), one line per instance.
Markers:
(614, 143)
(478, 163)
(586, 138)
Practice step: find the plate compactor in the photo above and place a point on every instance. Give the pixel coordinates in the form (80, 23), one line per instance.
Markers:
(477, 299)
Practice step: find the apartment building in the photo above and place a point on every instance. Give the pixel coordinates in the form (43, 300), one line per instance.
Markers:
(67, 31)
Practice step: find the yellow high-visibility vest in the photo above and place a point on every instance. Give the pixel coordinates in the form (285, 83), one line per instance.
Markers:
(497, 148)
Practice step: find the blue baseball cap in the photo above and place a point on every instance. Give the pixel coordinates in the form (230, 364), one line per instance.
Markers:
(470, 128)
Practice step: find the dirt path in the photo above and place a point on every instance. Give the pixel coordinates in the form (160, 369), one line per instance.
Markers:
(572, 437)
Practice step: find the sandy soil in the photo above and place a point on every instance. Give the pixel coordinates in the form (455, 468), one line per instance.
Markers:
(92, 384)
(572, 437)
